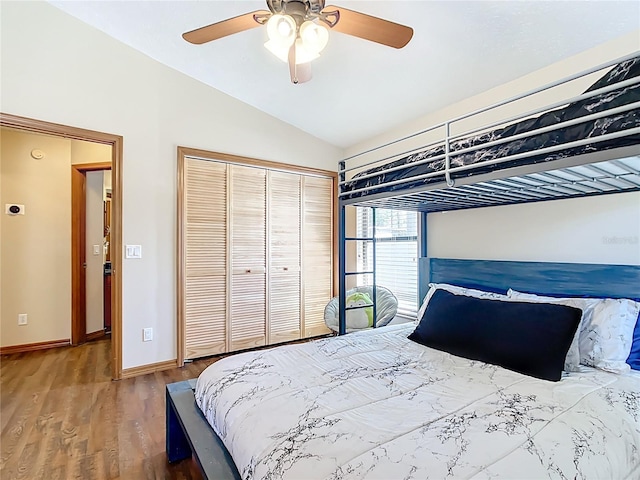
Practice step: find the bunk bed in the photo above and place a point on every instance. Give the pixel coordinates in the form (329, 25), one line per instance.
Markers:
(375, 404)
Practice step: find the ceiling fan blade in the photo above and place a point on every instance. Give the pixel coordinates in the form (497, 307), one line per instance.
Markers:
(301, 72)
(226, 27)
(369, 28)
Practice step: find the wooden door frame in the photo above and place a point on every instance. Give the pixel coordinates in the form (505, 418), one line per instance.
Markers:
(79, 247)
(116, 142)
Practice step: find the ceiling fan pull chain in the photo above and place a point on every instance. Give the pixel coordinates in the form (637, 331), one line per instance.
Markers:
(292, 63)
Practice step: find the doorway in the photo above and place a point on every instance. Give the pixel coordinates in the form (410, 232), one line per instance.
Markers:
(90, 252)
(116, 143)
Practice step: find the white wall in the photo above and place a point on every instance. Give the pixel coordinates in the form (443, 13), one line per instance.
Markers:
(94, 230)
(58, 69)
(603, 229)
(588, 230)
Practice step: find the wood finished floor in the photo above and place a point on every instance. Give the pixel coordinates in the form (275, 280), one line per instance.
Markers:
(61, 417)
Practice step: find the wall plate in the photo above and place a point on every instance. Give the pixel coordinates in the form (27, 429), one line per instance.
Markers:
(133, 251)
(147, 334)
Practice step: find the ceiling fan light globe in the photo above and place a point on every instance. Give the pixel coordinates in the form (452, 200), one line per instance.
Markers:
(281, 29)
(314, 36)
(278, 49)
(304, 54)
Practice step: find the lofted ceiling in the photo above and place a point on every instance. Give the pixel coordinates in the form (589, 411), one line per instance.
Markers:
(360, 89)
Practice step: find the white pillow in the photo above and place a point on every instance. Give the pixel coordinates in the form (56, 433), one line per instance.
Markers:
(605, 343)
(587, 305)
(605, 333)
(457, 290)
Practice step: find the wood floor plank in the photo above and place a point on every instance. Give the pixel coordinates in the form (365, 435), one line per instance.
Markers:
(61, 417)
(31, 399)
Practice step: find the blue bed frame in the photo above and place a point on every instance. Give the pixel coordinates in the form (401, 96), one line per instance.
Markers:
(189, 435)
(569, 279)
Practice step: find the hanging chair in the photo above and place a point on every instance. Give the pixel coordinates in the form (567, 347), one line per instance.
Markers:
(386, 308)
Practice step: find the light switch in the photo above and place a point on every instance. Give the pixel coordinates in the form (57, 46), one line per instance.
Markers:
(133, 251)
(96, 249)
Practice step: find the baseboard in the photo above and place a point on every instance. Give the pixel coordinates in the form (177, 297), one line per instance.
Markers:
(151, 368)
(31, 347)
(95, 335)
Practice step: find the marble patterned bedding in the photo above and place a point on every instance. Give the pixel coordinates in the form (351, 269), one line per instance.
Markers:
(375, 405)
(588, 129)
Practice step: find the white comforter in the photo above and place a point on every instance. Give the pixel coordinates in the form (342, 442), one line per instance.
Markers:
(376, 405)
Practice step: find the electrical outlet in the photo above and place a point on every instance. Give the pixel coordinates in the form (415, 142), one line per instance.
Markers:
(22, 319)
(147, 334)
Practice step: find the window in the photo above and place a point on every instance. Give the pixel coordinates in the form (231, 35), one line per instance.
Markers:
(396, 254)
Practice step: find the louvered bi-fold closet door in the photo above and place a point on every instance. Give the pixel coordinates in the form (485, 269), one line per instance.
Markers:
(205, 263)
(247, 191)
(317, 260)
(284, 256)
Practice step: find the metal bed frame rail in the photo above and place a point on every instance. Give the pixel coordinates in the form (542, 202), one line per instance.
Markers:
(597, 173)
(343, 169)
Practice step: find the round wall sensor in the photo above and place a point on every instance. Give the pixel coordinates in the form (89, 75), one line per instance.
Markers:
(37, 154)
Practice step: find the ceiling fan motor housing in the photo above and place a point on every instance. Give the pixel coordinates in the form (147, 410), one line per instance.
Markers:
(301, 10)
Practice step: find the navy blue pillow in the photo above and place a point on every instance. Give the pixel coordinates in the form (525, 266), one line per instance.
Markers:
(529, 338)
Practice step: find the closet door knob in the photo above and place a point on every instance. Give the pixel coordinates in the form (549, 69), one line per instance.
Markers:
(247, 271)
(286, 269)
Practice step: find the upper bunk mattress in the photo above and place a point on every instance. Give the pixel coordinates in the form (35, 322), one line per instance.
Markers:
(581, 131)
(376, 405)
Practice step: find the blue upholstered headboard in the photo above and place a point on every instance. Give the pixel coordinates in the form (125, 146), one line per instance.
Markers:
(571, 279)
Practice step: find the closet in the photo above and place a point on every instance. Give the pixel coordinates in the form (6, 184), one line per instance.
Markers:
(255, 252)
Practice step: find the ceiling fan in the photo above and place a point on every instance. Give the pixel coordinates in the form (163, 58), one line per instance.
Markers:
(298, 30)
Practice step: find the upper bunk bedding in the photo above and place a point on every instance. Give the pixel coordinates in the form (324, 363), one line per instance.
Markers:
(626, 117)
(377, 405)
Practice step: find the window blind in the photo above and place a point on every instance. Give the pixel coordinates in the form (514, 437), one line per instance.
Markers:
(396, 264)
